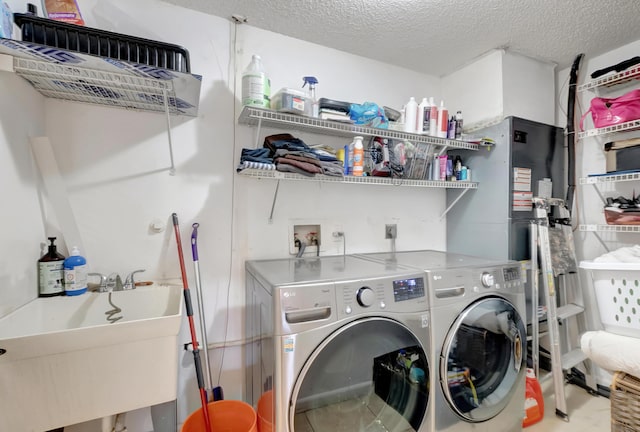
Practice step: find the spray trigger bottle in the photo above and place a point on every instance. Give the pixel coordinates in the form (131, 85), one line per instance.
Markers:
(312, 81)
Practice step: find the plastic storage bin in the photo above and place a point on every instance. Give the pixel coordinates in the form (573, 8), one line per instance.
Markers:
(617, 289)
(291, 101)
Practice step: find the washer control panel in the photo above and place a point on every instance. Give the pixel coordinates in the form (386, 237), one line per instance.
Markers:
(390, 294)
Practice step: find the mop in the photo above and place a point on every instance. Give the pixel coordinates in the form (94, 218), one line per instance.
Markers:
(216, 393)
(194, 340)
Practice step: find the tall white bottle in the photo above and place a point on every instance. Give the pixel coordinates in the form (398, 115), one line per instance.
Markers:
(410, 115)
(424, 110)
(433, 118)
(256, 87)
(443, 121)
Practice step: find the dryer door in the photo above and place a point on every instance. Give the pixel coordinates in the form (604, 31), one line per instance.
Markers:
(371, 374)
(482, 359)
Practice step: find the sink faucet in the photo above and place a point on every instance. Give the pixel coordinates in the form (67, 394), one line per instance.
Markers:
(114, 282)
(129, 282)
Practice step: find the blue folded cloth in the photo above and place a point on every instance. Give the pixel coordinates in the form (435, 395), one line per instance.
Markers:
(260, 155)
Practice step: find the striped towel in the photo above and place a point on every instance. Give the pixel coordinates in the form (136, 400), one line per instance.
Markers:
(255, 165)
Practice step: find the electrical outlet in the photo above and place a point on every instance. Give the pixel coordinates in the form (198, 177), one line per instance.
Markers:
(390, 231)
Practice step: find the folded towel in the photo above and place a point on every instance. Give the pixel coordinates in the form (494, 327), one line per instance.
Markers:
(293, 169)
(333, 169)
(305, 166)
(255, 165)
(255, 155)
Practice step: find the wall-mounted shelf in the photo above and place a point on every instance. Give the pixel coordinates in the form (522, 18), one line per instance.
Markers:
(252, 116)
(277, 175)
(612, 80)
(610, 228)
(622, 127)
(610, 178)
(79, 77)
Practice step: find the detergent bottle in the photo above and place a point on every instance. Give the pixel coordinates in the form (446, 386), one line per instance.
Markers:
(534, 402)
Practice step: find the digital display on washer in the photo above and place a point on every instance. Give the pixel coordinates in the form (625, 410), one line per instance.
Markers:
(407, 289)
(511, 273)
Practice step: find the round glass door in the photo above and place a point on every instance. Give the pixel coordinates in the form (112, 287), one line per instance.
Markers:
(371, 374)
(482, 359)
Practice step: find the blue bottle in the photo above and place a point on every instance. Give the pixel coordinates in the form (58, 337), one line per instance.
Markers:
(75, 273)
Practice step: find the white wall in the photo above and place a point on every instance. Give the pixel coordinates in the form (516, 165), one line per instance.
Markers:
(23, 231)
(114, 165)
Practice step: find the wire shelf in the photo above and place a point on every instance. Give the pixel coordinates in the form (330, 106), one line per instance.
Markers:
(278, 175)
(611, 80)
(613, 178)
(622, 127)
(610, 228)
(98, 87)
(252, 116)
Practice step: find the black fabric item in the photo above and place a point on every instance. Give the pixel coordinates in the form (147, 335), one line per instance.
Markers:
(618, 67)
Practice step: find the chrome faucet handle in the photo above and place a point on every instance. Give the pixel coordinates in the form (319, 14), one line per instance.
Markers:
(129, 282)
(114, 282)
(101, 287)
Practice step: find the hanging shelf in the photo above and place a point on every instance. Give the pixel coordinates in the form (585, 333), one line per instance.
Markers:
(612, 80)
(80, 77)
(252, 116)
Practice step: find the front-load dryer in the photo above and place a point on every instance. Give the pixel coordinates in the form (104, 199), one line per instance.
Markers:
(338, 344)
(478, 335)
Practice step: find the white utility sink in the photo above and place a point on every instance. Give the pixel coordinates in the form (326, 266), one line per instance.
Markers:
(65, 362)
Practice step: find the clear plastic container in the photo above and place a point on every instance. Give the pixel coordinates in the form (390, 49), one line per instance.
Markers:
(292, 101)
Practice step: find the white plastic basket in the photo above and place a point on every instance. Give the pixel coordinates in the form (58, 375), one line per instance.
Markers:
(617, 289)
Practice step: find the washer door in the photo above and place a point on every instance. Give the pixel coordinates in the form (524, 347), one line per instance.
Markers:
(371, 374)
(482, 359)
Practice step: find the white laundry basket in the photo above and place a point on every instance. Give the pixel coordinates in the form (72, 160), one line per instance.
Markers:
(617, 289)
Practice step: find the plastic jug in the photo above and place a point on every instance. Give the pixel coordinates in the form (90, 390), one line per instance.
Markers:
(534, 402)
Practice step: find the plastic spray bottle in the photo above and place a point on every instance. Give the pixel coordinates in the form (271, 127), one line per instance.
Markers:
(51, 272)
(256, 87)
(358, 156)
(312, 81)
(75, 273)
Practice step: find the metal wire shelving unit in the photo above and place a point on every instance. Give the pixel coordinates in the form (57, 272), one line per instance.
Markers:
(260, 117)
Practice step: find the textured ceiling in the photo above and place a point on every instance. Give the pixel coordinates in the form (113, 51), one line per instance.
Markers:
(437, 36)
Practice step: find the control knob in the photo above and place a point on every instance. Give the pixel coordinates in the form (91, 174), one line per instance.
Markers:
(365, 296)
(488, 280)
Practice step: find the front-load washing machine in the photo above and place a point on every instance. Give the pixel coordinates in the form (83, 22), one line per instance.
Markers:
(337, 344)
(478, 335)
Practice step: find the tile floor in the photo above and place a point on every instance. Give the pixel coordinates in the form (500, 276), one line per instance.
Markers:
(587, 413)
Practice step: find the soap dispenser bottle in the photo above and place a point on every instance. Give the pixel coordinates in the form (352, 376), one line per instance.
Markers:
(75, 273)
(51, 272)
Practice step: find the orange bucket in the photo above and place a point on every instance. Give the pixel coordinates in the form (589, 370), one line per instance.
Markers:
(265, 412)
(225, 416)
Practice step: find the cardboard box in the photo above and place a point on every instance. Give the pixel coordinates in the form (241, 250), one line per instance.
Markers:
(622, 155)
(63, 10)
